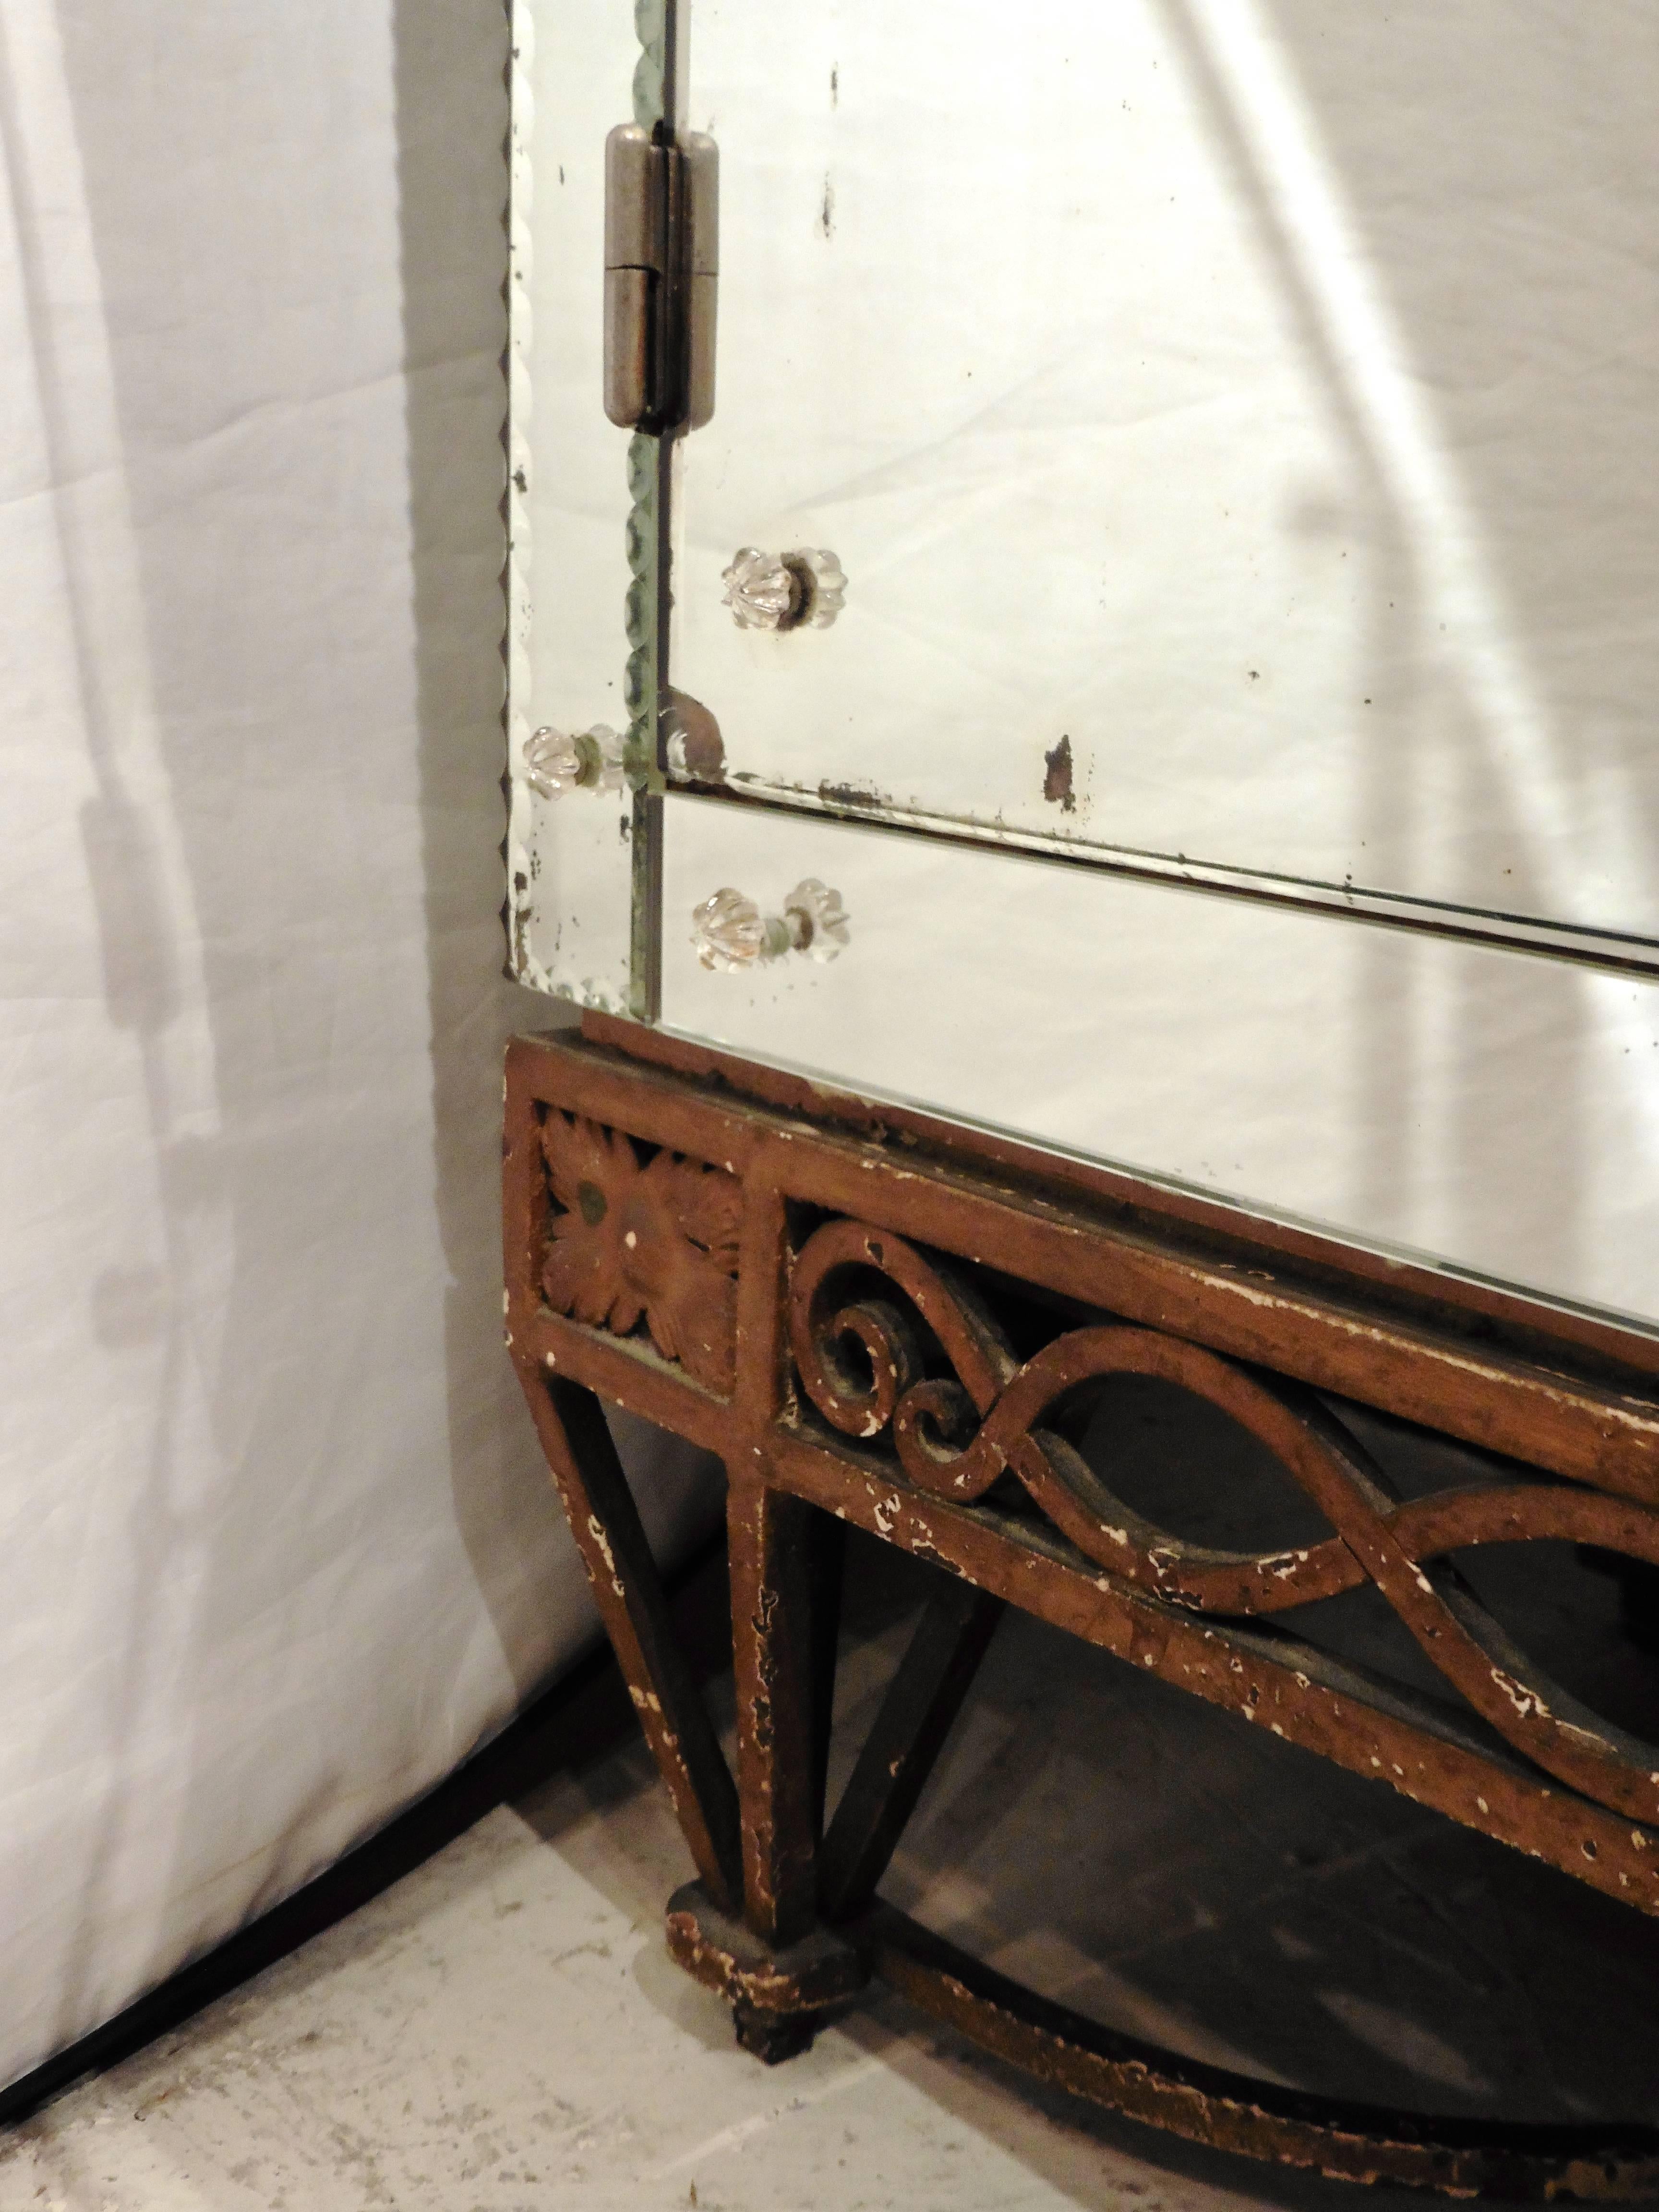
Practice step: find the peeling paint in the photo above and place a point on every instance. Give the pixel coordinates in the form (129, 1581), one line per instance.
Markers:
(595, 1530)
(1644, 1424)
(1526, 1701)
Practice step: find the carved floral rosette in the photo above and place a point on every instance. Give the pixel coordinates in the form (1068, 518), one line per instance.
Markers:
(654, 1242)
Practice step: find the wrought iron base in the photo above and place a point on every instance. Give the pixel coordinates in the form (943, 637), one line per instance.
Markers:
(880, 1322)
(780, 2000)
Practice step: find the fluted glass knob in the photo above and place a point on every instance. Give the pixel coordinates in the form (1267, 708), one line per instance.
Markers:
(803, 590)
(730, 933)
(728, 930)
(556, 761)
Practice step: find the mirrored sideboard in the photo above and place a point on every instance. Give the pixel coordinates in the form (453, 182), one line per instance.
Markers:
(1083, 613)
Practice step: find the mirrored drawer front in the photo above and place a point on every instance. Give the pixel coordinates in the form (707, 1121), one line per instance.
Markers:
(1493, 1111)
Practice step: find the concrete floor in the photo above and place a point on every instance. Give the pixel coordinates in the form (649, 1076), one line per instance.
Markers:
(503, 2032)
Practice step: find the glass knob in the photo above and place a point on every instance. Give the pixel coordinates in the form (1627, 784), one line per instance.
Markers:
(555, 762)
(803, 590)
(730, 933)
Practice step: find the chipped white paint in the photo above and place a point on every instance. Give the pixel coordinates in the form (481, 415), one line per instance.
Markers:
(595, 1530)
(1526, 1701)
(1628, 1412)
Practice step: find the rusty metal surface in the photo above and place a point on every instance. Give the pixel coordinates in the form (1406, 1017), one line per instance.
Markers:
(783, 1995)
(821, 1305)
(923, 1701)
(818, 1973)
(956, 1436)
(1346, 2143)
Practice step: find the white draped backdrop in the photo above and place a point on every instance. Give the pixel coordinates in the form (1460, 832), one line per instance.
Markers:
(278, 1549)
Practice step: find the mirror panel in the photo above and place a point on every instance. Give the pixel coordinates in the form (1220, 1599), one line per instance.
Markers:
(570, 851)
(1233, 419)
(1478, 1107)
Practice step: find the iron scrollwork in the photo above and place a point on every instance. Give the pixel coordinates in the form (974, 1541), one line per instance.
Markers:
(870, 1365)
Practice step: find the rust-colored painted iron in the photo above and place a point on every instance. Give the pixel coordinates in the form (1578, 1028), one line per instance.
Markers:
(797, 1282)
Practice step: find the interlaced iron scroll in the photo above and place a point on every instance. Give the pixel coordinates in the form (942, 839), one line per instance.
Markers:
(870, 1362)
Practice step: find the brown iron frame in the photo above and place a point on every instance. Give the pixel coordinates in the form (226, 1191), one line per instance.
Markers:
(806, 1285)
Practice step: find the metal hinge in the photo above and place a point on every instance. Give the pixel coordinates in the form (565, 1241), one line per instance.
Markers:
(662, 263)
